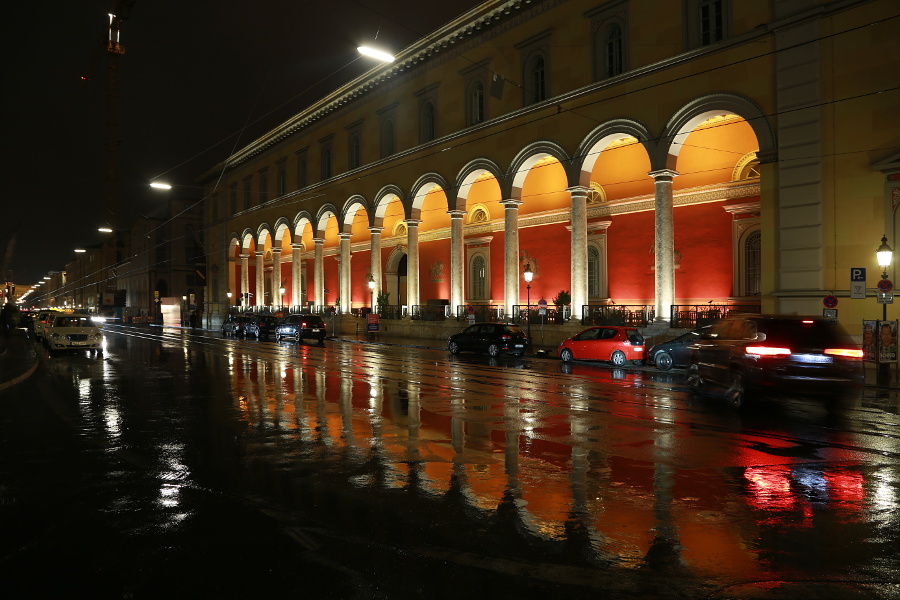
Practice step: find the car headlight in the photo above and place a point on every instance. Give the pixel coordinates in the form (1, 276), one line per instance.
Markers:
(55, 336)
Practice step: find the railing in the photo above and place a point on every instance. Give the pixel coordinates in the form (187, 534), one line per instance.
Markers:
(685, 316)
(390, 311)
(429, 312)
(632, 315)
(525, 313)
(483, 313)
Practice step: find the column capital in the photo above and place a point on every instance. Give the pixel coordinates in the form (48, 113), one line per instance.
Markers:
(456, 214)
(663, 174)
(297, 246)
(345, 236)
(376, 230)
(511, 203)
(319, 241)
(260, 253)
(276, 251)
(245, 256)
(578, 190)
(412, 222)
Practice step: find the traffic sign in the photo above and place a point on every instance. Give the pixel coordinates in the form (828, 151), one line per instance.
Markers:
(885, 285)
(885, 297)
(858, 283)
(830, 301)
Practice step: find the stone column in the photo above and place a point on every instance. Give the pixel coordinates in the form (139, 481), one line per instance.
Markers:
(412, 262)
(296, 260)
(511, 273)
(245, 280)
(319, 273)
(276, 276)
(375, 266)
(457, 261)
(665, 245)
(579, 273)
(260, 293)
(345, 295)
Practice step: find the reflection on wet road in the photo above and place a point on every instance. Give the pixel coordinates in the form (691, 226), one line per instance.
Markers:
(596, 479)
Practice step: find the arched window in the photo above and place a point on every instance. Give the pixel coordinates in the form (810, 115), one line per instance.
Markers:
(593, 272)
(752, 251)
(427, 122)
(326, 163)
(387, 138)
(354, 151)
(614, 65)
(476, 103)
(538, 79)
(479, 278)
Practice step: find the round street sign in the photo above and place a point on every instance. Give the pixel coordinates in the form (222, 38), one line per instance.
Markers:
(885, 286)
(830, 301)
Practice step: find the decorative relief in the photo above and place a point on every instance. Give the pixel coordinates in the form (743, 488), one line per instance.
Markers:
(436, 271)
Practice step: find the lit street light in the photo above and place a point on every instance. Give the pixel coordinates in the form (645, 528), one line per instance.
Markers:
(529, 275)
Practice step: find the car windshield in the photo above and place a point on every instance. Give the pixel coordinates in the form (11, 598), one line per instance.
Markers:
(73, 322)
(810, 333)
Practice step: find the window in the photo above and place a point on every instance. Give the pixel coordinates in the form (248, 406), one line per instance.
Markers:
(479, 278)
(301, 171)
(593, 272)
(752, 250)
(537, 90)
(248, 194)
(354, 150)
(263, 186)
(279, 182)
(712, 22)
(326, 162)
(613, 46)
(233, 194)
(387, 138)
(476, 103)
(427, 122)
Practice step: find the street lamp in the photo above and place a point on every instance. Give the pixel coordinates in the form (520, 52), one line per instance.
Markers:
(281, 299)
(229, 299)
(371, 283)
(884, 253)
(529, 275)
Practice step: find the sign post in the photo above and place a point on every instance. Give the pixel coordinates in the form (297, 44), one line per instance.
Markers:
(857, 283)
(542, 310)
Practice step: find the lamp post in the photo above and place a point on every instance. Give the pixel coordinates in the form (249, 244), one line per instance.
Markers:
(371, 283)
(229, 299)
(281, 299)
(529, 275)
(884, 253)
(183, 309)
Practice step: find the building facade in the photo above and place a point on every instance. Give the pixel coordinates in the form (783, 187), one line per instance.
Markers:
(664, 155)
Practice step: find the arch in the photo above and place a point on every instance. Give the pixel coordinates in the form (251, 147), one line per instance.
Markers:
(247, 238)
(597, 140)
(685, 119)
(383, 198)
(301, 220)
(281, 227)
(263, 232)
(325, 212)
(526, 159)
(421, 188)
(469, 174)
(351, 207)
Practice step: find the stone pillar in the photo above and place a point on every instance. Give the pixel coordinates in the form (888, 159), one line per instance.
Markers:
(344, 275)
(579, 274)
(245, 280)
(375, 266)
(319, 273)
(457, 261)
(412, 262)
(511, 273)
(276, 276)
(665, 245)
(260, 293)
(296, 261)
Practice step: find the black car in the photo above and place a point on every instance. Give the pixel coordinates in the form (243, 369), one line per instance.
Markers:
(677, 352)
(236, 326)
(261, 326)
(492, 338)
(775, 353)
(301, 327)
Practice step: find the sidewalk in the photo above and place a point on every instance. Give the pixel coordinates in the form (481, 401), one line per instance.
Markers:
(19, 361)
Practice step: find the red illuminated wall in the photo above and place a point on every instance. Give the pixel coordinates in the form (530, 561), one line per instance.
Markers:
(360, 267)
(551, 248)
(629, 261)
(429, 253)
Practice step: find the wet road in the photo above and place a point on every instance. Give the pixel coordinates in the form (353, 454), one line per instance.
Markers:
(181, 463)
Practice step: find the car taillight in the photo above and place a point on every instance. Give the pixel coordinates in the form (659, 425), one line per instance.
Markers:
(845, 352)
(505, 336)
(768, 351)
(303, 325)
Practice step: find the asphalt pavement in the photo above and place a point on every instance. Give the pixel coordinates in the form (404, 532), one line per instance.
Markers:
(20, 360)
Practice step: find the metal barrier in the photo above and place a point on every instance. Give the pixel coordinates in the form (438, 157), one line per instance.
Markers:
(482, 313)
(429, 312)
(631, 315)
(390, 311)
(686, 316)
(523, 313)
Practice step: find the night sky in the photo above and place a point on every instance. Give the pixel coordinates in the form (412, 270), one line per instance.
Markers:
(199, 78)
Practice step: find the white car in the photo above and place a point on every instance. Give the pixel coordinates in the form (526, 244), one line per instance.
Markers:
(41, 321)
(73, 332)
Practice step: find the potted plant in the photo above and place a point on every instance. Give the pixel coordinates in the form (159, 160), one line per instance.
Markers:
(563, 298)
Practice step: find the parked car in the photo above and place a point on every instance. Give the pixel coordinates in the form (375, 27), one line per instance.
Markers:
(73, 332)
(677, 352)
(236, 326)
(492, 338)
(610, 343)
(777, 353)
(301, 327)
(261, 326)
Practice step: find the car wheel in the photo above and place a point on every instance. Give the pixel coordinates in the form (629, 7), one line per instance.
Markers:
(298, 337)
(735, 392)
(695, 382)
(277, 337)
(493, 350)
(663, 361)
(566, 355)
(453, 347)
(618, 358)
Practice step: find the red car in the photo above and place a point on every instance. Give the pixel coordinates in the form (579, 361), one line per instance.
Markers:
(615, 344)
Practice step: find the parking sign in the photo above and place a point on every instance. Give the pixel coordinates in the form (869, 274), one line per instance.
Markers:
(858, 283)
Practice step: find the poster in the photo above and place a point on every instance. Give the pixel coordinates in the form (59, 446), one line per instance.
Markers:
(887, 341)
(868, 343)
